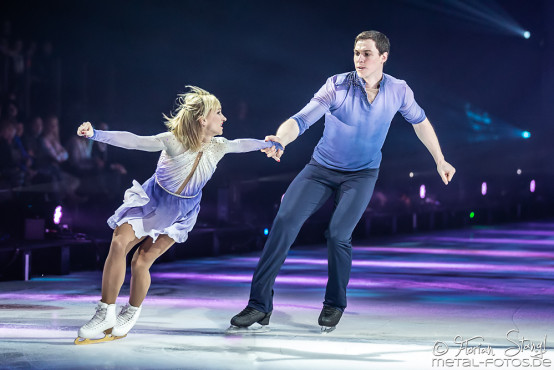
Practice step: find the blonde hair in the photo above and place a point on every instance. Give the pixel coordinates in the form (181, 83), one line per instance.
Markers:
(184, 123)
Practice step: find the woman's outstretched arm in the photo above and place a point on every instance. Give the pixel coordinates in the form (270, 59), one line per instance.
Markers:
(124, 139)
(248, 145)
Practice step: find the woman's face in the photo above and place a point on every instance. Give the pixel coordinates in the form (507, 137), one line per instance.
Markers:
(214, 122)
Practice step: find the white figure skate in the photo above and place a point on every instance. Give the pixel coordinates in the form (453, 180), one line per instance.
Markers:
(126, 319)
(101, 323)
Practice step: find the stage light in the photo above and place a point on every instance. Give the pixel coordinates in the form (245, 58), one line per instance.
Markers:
(411, 174)
(471, 214)
(58, 215)
(266, 231)
(526, 134)
(532, 186)
(422, 191)
(518, 171)
(484, 188)
(488, 14)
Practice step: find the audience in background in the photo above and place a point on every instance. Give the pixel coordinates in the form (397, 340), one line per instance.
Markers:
(10, 171)
(110, 173)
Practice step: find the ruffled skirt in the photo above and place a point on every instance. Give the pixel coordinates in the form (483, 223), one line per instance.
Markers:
(152, 211)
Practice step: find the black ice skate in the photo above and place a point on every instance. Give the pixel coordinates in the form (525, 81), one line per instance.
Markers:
(241, 323)
(329, 318)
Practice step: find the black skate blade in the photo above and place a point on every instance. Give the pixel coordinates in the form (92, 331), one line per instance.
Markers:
(327, 329)
(253, 329)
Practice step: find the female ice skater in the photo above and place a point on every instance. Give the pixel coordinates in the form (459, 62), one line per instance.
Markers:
(163, 210)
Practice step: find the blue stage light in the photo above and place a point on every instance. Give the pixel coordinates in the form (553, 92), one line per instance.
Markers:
(526, 134)
(266, 231)
(526, 34)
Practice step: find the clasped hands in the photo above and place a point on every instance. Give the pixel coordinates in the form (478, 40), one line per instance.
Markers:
(272, 151)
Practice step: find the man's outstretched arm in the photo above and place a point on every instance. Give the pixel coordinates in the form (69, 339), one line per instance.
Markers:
(286, 134)
(301, 121)
(426, 134)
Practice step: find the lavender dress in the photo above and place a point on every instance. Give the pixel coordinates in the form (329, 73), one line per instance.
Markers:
(154, 208)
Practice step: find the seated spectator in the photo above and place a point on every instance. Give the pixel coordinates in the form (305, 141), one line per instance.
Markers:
(81, 162)
(23, 158)
(51, 141)
(10, 110)
(32, 138)
(53, 155)
(42, 171)
(100, 154)
(10, 172)
(110, 173)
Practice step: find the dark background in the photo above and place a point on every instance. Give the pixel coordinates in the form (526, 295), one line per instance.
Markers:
(124, 62)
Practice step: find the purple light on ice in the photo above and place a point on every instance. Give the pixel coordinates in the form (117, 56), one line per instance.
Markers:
(297, 280)
(461, 252)
(225, 302)
(492, 240)
(484, 188)
(475, 285)
(442, 266)
(58, 215)
(532, 186)
(422, 191)
(519, 232)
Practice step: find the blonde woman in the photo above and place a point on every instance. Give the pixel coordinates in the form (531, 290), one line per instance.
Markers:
(163, 210)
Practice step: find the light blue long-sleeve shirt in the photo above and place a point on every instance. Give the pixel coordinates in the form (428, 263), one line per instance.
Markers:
(355, 130)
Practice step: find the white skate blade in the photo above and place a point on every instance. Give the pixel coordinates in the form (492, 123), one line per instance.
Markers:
(253, 329)
(327, 329)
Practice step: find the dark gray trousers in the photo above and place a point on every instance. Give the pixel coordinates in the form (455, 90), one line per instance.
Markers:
(305, 195)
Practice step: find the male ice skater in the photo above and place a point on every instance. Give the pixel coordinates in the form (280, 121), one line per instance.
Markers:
(358, 107)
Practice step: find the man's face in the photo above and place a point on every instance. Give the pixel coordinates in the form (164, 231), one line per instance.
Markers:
(367, 59)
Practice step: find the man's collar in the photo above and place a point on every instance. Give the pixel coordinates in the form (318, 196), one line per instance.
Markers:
(361, 82)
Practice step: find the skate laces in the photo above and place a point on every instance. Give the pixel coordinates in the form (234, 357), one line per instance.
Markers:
(98, 317)
(126, 314)
(329, 311)
(248, 311)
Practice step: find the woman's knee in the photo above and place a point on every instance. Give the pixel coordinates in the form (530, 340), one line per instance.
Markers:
(141, 261)
(118, 245)
(123, 239)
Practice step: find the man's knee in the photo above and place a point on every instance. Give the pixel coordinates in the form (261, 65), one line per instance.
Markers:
(286, 219)
(336, 236)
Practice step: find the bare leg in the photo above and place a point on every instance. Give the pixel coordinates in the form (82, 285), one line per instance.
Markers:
(123, 241)
(144, 257)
